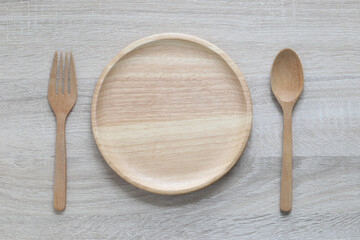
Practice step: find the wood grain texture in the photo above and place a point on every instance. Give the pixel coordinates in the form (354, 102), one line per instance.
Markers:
(171, 113)
(244, 203)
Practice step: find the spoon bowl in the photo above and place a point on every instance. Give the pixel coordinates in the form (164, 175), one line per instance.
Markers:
(287, 78)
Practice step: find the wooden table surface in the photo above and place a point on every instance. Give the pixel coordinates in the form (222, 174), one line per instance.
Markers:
(242, 205)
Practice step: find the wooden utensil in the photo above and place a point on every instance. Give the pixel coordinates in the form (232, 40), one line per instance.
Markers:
(171, 113)
(61, 101)
(287, 81)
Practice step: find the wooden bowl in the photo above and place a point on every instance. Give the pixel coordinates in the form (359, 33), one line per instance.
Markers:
(171, 113)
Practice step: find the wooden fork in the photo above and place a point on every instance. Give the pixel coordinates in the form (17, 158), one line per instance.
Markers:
(61, 103)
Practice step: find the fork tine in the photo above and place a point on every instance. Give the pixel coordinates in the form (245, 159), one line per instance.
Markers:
(66, 75)
(73, 89)
(60, 75)
(52, 80)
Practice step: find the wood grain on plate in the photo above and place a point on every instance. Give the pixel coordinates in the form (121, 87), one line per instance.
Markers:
(171, 113)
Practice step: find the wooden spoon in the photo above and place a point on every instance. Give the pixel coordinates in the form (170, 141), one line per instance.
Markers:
(287, 81)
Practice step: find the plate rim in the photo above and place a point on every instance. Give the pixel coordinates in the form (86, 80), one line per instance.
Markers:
(184, 37)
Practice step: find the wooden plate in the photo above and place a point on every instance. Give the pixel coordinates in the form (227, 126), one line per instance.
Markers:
(171, 113)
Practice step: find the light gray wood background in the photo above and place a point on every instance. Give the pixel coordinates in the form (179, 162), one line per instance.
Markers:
(242, 205)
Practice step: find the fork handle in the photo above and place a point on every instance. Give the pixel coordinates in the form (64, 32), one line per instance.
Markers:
(60, 166)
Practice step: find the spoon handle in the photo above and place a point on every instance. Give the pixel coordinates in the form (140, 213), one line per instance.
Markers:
(286, 168)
